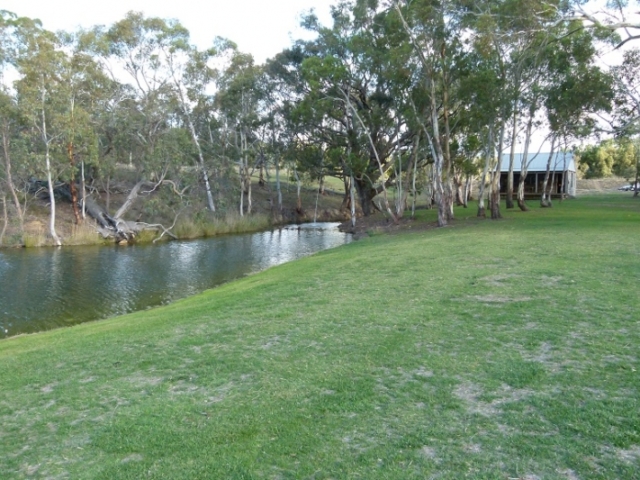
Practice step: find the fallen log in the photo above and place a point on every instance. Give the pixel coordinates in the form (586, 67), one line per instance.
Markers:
(115, 226)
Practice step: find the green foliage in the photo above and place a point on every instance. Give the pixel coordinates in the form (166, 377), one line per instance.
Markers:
(432, 81)
(607, 159)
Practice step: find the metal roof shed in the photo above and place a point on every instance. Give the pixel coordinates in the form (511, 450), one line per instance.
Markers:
(563, 172)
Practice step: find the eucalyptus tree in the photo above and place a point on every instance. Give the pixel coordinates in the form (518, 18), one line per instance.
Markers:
(626, 76)
(577, 92)
(530, 31)
(9, 113)
(626, 113)
(135, 45)
(42, 100)
(434, 31)
(520, 34)
(484, 93)
(83, 87)
(620, 16)
(238, 101)
(10, 123)
(192, 74)
(281, 82)
(304, 130)
(352, 106)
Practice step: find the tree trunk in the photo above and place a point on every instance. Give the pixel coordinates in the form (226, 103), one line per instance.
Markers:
(458, 186)
(352, 197)
(72, 183)
(435, 146)
(117, 227)
(52, 200)
(241, 189)
(196, 142)
(495, 204)
(482, 211)
(133, 194)
(495, 177)
(9, 177)
(261, 180)
(414, 192)
(84, 188)
(365, 194)
(401, 196)
(467, 190)
(298, 188)
(512, 157)
(47, 159)
(545, 199)
(525, 156)
(521, 203)
(5, 217)
(376, 155)
(248, 184)
(448, 164)
(636, 187)
(99, 214)
(278, 188)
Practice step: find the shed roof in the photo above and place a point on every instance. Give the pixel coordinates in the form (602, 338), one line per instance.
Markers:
(538, 162)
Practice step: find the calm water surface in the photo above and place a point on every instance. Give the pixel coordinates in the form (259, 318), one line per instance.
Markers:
(47, 288)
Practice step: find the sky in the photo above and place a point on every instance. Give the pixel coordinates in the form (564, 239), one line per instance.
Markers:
(260, 27)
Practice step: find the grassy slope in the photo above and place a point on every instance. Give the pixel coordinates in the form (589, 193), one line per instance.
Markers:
(485, 350)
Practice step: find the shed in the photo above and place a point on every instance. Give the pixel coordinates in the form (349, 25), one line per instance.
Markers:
(563, 173)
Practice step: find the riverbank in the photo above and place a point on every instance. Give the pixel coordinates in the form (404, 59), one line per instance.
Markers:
(484, 350)
(198, 223)
(185, 223)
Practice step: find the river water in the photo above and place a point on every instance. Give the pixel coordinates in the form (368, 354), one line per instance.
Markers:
(45, 288)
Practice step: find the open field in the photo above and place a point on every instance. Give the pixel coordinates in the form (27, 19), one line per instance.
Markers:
(600, 185)
(494, 350)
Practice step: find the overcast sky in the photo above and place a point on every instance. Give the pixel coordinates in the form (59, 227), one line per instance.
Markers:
(260, 27)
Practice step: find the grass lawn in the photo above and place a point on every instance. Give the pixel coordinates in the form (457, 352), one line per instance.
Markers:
(496, 350)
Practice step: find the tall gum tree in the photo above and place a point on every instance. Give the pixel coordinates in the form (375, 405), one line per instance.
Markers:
(350, 73)
(135, 45)
(434, 31)
(191, 74)
(626, 113)
(577, 93)
(42, 100)
(514, 34)
(238, 100)
(349, 99)
(9, 112)
(82, 83)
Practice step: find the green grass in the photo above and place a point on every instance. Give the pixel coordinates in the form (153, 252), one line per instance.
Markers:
(489, 350)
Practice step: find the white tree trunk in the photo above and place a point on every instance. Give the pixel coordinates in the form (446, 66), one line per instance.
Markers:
(5, 217)
(278, 186)
(9, 179)
(375, 152)
(196, 142)
(47, 158)
(352, 196)
(482, 210)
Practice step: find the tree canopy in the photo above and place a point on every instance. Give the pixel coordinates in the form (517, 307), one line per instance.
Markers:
(421, 95)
